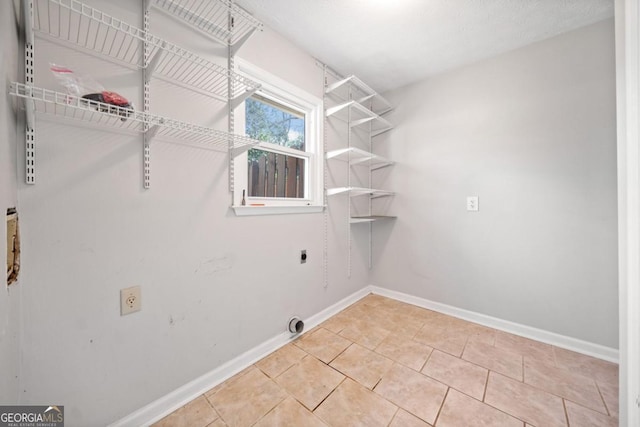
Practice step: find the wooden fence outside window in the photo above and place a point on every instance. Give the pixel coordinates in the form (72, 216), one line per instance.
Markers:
(277, 175)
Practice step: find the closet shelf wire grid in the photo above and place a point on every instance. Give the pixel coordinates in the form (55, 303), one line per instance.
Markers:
(79, 25)
(212, 18)
(72, 107)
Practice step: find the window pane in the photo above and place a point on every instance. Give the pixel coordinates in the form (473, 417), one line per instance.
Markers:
(276, 175)
(269, 121)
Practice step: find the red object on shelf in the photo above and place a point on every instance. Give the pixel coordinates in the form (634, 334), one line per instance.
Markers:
(115, 99)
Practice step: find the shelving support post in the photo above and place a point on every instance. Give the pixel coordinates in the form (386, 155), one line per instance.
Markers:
(30, 132)
(147, 71)
(230, 104)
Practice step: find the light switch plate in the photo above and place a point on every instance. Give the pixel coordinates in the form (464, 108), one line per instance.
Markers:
(472, 203)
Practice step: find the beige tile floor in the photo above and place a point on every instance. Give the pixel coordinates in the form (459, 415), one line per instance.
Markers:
(381, 362)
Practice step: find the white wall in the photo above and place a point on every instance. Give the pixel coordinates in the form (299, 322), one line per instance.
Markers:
(9, 296)
(532, 133)
(213, 285)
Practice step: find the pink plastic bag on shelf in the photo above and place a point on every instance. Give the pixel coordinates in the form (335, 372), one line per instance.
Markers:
(94, 93)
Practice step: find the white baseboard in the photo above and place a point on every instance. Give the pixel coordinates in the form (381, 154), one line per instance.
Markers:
(579, 346)
(162, 407)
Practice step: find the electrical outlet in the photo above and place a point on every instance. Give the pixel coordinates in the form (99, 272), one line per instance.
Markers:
(472, 203)
(130, 300)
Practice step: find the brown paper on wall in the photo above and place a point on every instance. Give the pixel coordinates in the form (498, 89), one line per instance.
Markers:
(13, 246)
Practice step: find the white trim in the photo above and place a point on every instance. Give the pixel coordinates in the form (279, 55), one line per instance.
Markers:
(162, 407)
(298, 99)
(274, 85)
(167, 404)
(275, 210)
(627, 21)
(274, 148)
(584, 347)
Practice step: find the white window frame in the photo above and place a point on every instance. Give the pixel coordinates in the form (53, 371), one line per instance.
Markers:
(291, 96)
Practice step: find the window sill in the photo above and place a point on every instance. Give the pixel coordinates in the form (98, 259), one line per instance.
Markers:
(275, 210)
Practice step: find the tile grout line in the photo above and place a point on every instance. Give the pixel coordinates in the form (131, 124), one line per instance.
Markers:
(468, 341)
(606, 407)
(486, 386)
(427, 361)
(394, 416)
(275, 406)
(376, 385)
(441, 406)
(564, 398)
(490, 405)
(326, 397)
(566, 413)
(483, 367)
(286, 370)
(339, 354)
(288, 394)
(450, 387)
(464, 347)
(400, 363)
(214, 409)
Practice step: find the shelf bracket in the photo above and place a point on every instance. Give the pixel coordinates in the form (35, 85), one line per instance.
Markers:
(151, 133)
(362, 160)
(381, 165)
(236, 151)
(355, 123)
(330, 88)
(366, 98)
(236, 101)
(336, 153)
(30, 110)
(153, 63)
(381, 131)
(238, 44)
(333, 110)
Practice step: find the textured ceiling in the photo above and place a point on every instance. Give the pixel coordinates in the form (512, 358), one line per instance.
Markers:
(390, 43)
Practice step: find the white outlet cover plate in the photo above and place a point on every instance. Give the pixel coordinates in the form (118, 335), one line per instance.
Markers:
(472, 203)
(130, 300)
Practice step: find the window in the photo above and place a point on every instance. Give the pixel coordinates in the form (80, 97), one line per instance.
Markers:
(274, 173)
(283, 174)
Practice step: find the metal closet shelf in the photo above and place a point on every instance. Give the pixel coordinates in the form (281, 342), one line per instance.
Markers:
(221, 20)
(356, 156)
(357, 114)
(72, 107)
(82, 26)
(370, 218)
(360, 107)
(366, 94)
(359, 191)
